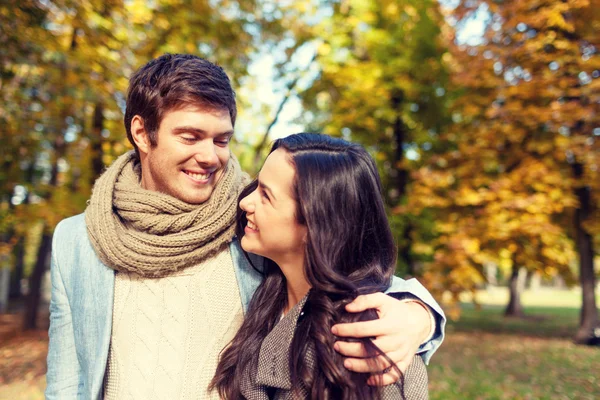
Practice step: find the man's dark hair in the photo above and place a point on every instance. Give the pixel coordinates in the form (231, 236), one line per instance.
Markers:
(174, 81)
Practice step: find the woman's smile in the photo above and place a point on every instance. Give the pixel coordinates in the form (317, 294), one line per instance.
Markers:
(252, 226)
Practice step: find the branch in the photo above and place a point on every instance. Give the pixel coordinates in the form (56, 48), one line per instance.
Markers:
(290, 87)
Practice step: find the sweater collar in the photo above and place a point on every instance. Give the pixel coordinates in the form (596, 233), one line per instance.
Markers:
(274, 357)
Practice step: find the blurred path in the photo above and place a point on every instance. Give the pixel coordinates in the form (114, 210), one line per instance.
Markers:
(22, 358)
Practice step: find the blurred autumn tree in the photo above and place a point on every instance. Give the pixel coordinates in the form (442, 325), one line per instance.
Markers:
(488, 151)
(64, 67)
(381, 83)
(523, 153)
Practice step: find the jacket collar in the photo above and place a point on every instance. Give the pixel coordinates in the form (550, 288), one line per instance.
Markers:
(274, 358)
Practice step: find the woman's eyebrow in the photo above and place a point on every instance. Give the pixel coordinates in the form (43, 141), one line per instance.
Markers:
(266, 188)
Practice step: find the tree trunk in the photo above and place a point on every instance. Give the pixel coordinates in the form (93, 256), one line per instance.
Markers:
(399, 140)
(35, 282)
(43, 256)
(399, 130)
(589, 324)
(97, 153)
(19, 249)
(17, 272)
(404, 250)
(514, 307)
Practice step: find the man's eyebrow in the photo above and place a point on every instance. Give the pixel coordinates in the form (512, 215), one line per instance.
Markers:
(266, 188)
(198, 131)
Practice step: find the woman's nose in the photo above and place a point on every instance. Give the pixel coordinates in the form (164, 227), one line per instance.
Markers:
(247, 204)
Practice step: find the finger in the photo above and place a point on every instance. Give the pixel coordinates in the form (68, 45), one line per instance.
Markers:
(384, 379)
(350, 349)
(393, 344)
(366, 301)
(384, 343)
(373, 328)
(371, 365)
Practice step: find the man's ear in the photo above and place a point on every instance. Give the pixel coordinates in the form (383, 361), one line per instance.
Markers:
(139, 134)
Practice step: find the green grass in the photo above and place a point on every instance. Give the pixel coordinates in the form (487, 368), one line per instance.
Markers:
(488, 356)
(549, 322)
(499, 366)
(543, 297)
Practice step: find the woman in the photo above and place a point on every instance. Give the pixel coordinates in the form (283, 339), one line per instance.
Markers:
(316, 213)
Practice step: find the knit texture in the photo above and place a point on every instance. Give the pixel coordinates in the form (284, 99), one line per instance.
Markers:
(153, 234)
(167, 332)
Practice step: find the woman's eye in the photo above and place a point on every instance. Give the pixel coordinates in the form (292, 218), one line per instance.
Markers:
(264, 194)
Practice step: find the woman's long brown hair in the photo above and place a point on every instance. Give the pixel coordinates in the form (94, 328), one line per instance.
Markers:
(349, 251)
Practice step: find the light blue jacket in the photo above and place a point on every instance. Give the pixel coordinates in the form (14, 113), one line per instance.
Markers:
(81, 310)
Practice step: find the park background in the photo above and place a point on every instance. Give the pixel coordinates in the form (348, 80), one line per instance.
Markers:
(483, 117)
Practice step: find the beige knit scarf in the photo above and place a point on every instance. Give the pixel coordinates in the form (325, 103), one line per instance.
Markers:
(153, 234)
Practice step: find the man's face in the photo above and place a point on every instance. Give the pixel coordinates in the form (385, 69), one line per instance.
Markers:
(190, 155)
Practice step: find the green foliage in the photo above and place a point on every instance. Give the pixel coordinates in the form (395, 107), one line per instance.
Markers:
(382, 83)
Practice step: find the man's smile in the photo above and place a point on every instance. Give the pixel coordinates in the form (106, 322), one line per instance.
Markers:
(198, 176)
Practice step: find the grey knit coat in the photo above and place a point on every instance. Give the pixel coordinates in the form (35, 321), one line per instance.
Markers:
(270, 377)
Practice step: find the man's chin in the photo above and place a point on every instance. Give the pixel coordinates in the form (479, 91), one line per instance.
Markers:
(191, 194)
(196, 201)
(196, 198)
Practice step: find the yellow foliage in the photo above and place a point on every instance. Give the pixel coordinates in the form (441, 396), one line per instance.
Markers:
(410, 11)
(138, 12)
(392, 10)
(422, 248)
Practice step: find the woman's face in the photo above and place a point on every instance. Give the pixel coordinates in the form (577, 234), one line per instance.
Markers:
(272, 230)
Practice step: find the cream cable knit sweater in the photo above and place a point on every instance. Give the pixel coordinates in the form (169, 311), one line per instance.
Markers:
(167, 332)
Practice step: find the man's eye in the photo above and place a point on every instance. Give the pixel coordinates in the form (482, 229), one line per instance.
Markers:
(222, 142)
(188, 138)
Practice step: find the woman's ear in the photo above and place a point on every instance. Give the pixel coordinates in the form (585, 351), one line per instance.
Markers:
(139, 134)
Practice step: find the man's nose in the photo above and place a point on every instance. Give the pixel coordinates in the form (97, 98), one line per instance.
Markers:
(205, 153)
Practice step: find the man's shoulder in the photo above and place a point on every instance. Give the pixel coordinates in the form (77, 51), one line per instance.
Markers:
(242, 259)
(74, 224)
(71, 236)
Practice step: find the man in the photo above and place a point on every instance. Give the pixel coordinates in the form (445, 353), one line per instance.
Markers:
(149, 285)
